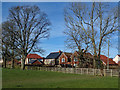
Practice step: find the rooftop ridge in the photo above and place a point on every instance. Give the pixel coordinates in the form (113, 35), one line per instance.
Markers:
(54, 52)
(67, 52)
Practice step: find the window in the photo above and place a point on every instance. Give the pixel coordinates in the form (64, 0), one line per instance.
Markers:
(75, 59)
(69, 60)
(30, 59)
(40, 59)
(75, 65)
(63, 59)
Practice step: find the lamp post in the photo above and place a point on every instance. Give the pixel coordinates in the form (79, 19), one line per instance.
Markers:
(108, 57)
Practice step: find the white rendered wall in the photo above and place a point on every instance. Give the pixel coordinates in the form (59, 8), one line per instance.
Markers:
(116, 59)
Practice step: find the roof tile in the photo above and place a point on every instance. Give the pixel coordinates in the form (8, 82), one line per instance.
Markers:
(104, 59)
(35, 56)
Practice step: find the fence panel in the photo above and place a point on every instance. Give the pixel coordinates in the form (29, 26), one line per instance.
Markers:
(88, 71)
(115, 72)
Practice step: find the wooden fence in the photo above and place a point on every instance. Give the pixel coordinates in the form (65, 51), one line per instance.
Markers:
(89, 71)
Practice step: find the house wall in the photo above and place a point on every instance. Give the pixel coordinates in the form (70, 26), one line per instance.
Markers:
(60, 59)
(116, 59)
(49, 61)
(27, 60)
(75, 54)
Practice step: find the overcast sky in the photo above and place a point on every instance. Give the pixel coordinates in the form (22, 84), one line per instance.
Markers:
(55, 12)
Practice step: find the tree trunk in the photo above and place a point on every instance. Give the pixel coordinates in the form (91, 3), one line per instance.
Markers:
(12, 63)
(93, 39)
(23, 63)
(94, 63)
(99, 62)
(4, 62)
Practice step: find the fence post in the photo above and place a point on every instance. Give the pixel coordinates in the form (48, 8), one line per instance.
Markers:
(104, 72)
(54, 69)
(95, 72)
(111, 72)
(87, 70)
(81, 70)
(74, 70)
(40, 68)
(65, 70)
(59, 69)
(45, 68)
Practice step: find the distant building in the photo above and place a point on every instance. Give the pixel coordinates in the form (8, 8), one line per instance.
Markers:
(53, 58)
(117, 58)
(104, 60)
(75, 58)
(34, 59)
(65, 59)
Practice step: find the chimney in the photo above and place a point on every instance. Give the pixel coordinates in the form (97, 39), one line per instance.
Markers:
(59, 51)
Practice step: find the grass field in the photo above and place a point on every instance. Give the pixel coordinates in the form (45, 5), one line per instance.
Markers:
(15, 78)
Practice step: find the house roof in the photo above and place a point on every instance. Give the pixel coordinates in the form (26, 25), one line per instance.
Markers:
(119, 55)
(68, 54)
(35, 56)
(32, 61)
(88, 55)
(119, 63)
(104, 59)
(54, 55)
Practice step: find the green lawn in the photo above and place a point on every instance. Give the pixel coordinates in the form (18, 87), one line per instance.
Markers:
(15, 78)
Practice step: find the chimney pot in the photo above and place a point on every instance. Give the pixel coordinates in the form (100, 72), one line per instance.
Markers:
(59, 51)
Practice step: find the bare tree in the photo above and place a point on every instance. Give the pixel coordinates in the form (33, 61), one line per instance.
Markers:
(8, 42)
(1, 44)
(76, 38)
(96, 21)
(31, 25)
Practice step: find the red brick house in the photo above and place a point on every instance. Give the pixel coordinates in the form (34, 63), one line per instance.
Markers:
(75, 59)
(34, 59)
(65, 59)
(104, 60)
(35, 62)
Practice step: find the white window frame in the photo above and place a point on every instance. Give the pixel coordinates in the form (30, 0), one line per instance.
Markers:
(63, 59)
(75, 65)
